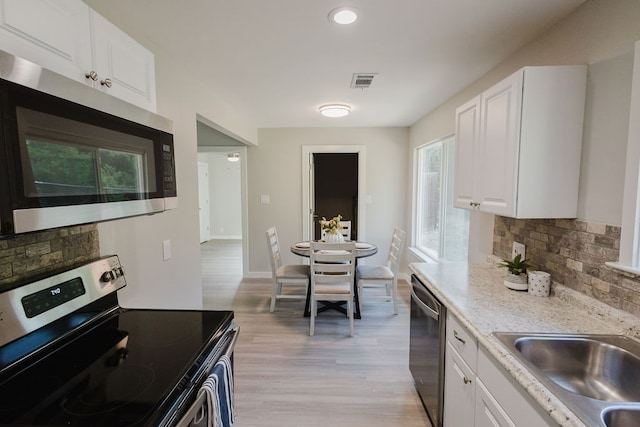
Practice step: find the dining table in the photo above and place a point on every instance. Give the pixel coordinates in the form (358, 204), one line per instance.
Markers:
(363, 250)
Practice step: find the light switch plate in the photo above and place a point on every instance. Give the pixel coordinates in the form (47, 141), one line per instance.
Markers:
(518, 249)
(265, 199)
(166, 250)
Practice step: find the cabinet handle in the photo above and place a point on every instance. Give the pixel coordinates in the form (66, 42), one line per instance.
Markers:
(455, 335)
(92, 75)
(466, 380)
(106, 82)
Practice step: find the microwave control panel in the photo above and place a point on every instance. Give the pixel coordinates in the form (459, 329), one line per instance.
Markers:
(168, 167)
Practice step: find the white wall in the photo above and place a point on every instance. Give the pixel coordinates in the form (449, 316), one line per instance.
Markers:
(599, 30)
(224, 196)
(275, 168)
(175, 283)
(605, 135)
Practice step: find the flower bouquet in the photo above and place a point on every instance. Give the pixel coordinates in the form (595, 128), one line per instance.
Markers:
(332, 229)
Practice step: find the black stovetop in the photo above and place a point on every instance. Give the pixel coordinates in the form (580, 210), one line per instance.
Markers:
(126, 371)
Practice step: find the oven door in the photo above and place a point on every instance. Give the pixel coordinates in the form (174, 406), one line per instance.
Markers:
(193, 408)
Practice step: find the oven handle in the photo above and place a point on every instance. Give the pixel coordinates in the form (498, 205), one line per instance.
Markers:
(236, 332)
(191, 414)
(430, 312)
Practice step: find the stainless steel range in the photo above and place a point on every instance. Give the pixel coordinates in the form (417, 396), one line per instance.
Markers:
(71, 356)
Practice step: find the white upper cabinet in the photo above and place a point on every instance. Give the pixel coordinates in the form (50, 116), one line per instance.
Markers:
(467, 137)
(68, 37)
(125, 68)
(52, 33)
(518, 144)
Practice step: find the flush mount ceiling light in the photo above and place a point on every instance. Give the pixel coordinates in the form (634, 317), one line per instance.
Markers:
(335, 110)
(233, 157)
(343, 15)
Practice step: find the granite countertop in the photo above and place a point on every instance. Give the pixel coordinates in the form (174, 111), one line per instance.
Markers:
(476, 296)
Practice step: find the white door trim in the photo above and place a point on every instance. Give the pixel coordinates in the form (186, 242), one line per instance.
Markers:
(203, 205)
(307, 150)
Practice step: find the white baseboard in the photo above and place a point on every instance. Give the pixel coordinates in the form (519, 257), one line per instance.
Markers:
(225, 237)
(257, 275)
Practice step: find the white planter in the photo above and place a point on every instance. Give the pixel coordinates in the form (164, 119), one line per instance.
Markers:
(539, 283)
(517, 282)
(334, 238)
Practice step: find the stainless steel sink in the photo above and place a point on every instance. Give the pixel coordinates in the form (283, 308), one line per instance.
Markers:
(595, 375)
(619, 417)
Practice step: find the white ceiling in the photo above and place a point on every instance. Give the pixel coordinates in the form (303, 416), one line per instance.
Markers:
(276, 61)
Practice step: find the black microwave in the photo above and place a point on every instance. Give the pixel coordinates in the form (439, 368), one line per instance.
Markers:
(71, 155)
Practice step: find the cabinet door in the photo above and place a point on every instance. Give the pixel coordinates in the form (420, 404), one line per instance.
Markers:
(488, 412)
(467, 133)
(459, 390)
(123, 62)
(499, 146)
(51, 33)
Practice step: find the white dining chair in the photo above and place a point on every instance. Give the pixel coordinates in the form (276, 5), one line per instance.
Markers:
(369, 276)
(332, 277)
(296, 275)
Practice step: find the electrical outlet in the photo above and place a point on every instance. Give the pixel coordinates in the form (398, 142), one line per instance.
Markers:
(518, 249)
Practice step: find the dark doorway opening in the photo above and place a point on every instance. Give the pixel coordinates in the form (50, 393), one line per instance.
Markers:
(335, 178)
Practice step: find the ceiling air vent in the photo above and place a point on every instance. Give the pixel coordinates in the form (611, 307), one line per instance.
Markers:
(362, 80)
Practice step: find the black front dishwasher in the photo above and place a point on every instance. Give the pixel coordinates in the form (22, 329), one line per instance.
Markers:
(426, 349)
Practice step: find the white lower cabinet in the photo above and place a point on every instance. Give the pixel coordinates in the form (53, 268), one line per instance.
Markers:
(488, 412)
(459, 390)
(478, 392)
(459, 375)
(507, 397)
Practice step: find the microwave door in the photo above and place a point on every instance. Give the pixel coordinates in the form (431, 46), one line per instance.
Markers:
(79, 160)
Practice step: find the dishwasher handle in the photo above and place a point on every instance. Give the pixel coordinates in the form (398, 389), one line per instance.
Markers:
(435, 313)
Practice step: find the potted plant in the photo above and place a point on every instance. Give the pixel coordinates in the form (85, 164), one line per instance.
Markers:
(516, 277)
(332, 229)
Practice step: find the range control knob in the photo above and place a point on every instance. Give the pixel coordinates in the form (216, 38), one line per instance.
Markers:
(107, 276)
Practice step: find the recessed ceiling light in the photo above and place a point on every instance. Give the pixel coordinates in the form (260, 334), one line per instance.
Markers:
(343, 15)
(335, 110)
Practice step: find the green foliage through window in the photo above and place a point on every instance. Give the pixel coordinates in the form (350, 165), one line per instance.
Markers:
(60, 169)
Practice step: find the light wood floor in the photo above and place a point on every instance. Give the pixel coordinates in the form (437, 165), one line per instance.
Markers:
(284, 377)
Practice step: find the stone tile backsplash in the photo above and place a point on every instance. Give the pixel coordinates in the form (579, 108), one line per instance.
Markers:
(574, 252)
(34, 254)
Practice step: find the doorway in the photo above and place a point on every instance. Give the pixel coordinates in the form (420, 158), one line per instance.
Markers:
(226, 156)
(335, 190)
(309, 194)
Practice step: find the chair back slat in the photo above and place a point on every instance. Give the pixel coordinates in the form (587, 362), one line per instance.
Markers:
(332, 262)
(274, 247)
(395, 252)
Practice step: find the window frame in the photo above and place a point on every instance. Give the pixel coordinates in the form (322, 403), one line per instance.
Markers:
(445, 176)
(629, 259)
